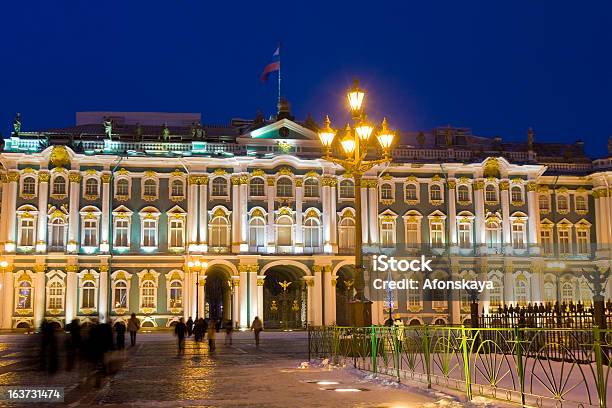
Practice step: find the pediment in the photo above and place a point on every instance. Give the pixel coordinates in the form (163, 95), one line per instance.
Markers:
(282, 129)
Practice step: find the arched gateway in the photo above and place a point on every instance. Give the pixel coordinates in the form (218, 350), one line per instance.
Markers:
(218, 301)
(285, 297)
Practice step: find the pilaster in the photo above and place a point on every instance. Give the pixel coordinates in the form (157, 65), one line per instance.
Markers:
(43, 198)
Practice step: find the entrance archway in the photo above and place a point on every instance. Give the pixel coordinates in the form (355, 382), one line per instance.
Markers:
(344, 294)
(284, 298)
(217, 298)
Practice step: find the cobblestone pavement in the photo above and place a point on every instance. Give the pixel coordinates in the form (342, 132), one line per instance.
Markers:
(240, 375)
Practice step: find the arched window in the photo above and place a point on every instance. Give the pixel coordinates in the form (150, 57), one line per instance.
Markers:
(284, 226)
(91, 187)
(284, 187)
(386, 191)
(346, 234)
(219, 232)
(435, 192)
(57, 234)
(544, 203)
(147, 294)
(520, 291)
(550, 295)
(56, 296)
(29, 186)
(150, 188)
(562, 203)
(123, 187)
(121, 295)
(411, 192)
(219, 187)
(463, 193)
(88, 300)
(586, 296)
(490, 193)
(312, 239)
(24, 295)
(311, 187)
(176, 294)
(495, 294)
(581, 203)
(59, 185)
(257, 187)
(516, 194)
(177, 188)
(567, 292)
(347, 189)
(257, 233)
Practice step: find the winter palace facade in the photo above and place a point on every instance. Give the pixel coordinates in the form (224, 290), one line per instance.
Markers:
(158, 215)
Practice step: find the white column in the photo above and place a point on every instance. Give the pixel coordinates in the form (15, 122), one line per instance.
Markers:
(254, 302)
(186, 295)
(606, 206)
(39, 295)
(103, 298)
(260, 295)
(271, 233)
(509, 287)
(236, 299)
(192, 213)
(373, 210)
(2, 296)
(317, 304)
(71, 292)
(244, 208)
(325, 192)
(43, 198)
(7, 299)
(452, 213)
(310, 300)
(598, 234)
(534, 218)
(299, 223)
(333, 298)
(73, 217)
(106, 213)
(203, 214)
(484, 297)
(235, 214)
(13, 178)
(330, 318)
(3, 210)
(202, 295)
(479, 209)
(365, 225)
(244, 299)
(505, 206)
(536, 285)
(194, 295)
(333, 222)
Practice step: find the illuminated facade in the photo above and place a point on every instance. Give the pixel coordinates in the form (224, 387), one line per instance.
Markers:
(105, 218)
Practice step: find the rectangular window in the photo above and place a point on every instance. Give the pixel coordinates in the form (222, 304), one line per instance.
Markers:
(387, 236)
(465, 235)
(582, 241)
(149, 233)
(57, 234)
(27, 232)
(437, 235)
(518, 236)
(121, 296)
(90, 233)
(412, 235)
(121, 233)
(176, 233)
(564, 242)
(546, 241)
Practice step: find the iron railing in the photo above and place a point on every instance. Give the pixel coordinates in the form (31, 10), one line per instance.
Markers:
(527, 366)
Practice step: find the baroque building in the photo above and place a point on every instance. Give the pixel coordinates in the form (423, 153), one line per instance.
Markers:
(161, 216)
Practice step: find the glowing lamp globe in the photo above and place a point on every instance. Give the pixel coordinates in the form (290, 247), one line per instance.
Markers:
(364, 131)
(327, 134)
(355, 97)
(348, 144)
(385, 136)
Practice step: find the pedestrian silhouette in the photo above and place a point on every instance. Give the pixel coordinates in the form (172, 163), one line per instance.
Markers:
(179, 330)
(73, 343)
(229, 329)
(189, 326)
(48, 348)
(257, 327)
(212, 332)
(120, 333)
(133, 327)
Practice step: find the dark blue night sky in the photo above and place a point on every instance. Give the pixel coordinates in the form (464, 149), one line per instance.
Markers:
(495, 68)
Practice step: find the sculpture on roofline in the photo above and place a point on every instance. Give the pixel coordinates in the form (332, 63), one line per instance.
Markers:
(108, 128)
(17, 124)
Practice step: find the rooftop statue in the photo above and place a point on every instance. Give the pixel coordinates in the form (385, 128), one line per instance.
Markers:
(17, 124)
(108, 128)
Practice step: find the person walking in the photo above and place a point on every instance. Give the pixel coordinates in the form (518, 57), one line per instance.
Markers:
(212, 332)
(120, 331)
(133, 327)
(198, 330)
(189, 326)
(229, 329)
(179, 330)
(257, 327)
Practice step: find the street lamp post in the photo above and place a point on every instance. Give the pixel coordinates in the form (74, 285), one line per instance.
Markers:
(197, 266)
(355, 145)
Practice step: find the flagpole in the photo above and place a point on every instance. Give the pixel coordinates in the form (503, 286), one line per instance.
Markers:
(279, 75)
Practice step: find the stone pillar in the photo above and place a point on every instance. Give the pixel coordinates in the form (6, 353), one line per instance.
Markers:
(71, 292)
(244, 208)
(598, 234)
(508, 286)
(202, 296)
(39, 294)
(106, 213)
(365, 225)
(271, 233)
(244, 297)
(333, 222)
(310, 300)
(325, 192)
(103, 312)
(236, 299)
(455, 303)
(236, 214)
(329, 315)
(260, 299)
(194, 295)
(3, 210)
(317, 304)
(192, 213)
(479, 223)
(11, 232)
(484, 296)
(536, 284)
(186, 294)
(505, 207)
(534, 218)
(606, 209)
(373, 211)
(203, 214)
(333, 282)
(7, 298)
(43, 198)
(452, 213)
(73, 216)
(299, 216)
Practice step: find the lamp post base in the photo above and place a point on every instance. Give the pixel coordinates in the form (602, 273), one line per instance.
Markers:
(360, 313)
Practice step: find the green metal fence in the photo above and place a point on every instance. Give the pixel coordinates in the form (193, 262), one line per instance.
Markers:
(530, 367)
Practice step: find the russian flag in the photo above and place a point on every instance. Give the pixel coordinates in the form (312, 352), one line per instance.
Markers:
(271, 67)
